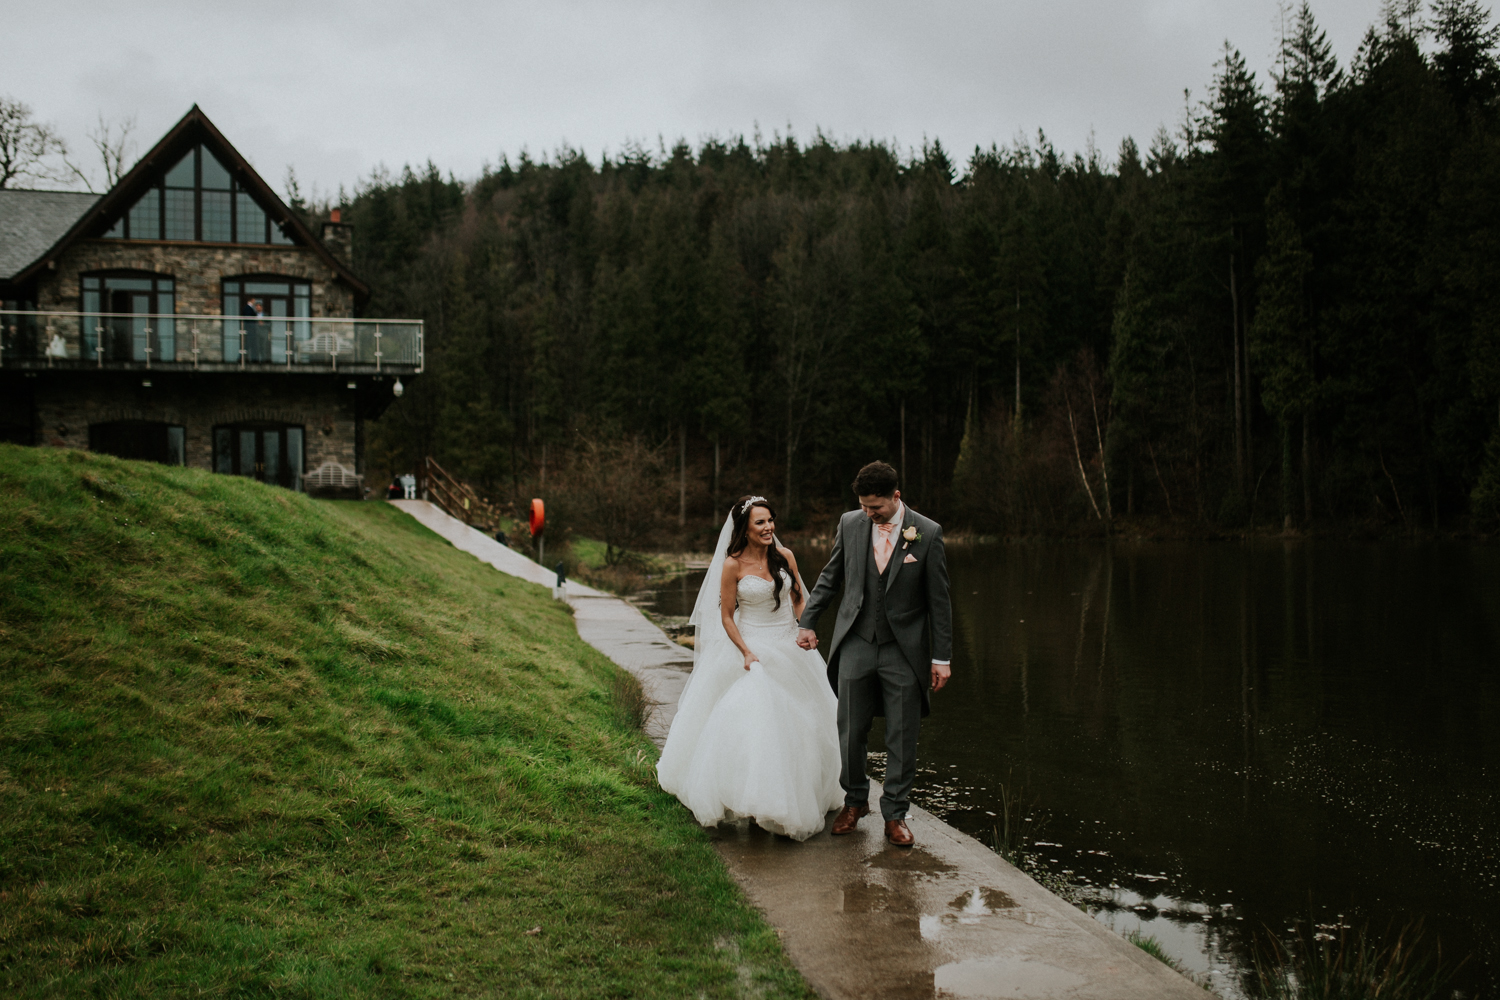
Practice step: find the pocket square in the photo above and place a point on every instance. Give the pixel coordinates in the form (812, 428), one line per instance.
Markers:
(909, 559)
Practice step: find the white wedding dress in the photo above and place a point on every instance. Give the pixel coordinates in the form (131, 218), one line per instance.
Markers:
(760, 743)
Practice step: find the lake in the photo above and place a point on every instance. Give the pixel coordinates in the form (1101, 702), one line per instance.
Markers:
(1224, 739)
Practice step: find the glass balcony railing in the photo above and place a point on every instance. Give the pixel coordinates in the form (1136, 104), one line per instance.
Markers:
(135, 340)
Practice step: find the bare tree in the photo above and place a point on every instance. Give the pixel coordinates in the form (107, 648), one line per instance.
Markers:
(26, 146)
(613, 488)
(114, 147)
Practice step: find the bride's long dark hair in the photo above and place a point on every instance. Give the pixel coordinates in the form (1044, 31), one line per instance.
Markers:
(739, 538)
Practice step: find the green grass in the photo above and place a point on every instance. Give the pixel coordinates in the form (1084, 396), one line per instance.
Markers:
(257, 745)
(588, 553)
(1152, 947)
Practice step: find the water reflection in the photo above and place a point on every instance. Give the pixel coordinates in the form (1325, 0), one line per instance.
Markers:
(1229, 737)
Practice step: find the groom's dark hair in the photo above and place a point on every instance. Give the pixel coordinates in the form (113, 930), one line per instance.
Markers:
(876, 480)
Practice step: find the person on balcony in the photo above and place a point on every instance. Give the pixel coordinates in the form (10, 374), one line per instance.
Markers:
(257, 332)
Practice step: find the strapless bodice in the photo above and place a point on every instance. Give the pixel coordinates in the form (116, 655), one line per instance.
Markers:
(757, 600)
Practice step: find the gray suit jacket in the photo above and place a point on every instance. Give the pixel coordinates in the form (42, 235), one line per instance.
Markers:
(916, 593)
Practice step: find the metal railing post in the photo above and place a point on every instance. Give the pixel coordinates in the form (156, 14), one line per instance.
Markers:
(289, 347)
(49, 345)
(195, 346)
(99, 344)
(242, 345)
(377, 347)
(148, 346)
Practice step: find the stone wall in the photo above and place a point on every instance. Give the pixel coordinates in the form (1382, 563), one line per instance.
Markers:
(197, 270)
(67, 403)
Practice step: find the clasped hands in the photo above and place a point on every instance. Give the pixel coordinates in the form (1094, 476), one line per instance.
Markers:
(808, 639)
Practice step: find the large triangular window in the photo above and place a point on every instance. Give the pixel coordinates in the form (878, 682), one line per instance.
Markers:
(198, 200)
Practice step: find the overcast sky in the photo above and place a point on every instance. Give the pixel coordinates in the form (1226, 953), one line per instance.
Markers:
(337, 89)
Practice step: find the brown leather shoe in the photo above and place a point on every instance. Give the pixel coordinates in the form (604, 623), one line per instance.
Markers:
(897, 833)
(848, 819)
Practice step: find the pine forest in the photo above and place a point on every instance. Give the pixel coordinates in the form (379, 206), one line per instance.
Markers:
(1281, 313)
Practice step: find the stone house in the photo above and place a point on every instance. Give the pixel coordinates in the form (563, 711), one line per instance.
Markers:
(188, 316)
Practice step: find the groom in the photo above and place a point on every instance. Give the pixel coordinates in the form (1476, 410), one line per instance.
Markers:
(890, 561)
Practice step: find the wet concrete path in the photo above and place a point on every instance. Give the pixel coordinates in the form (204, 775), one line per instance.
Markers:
(860, 919)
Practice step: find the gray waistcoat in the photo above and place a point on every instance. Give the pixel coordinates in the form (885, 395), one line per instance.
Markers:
(871, 624)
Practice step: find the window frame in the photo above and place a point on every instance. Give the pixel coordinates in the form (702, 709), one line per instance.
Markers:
(163, 336)
(173, 439)
(272, 232)
(156, 278)
(275, 327)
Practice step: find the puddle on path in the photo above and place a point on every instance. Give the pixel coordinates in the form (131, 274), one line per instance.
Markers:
(983, 900)
(1003, 976)
(916, 860)
(868, 897)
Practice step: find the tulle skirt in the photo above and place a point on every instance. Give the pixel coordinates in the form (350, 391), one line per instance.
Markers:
(760, 744)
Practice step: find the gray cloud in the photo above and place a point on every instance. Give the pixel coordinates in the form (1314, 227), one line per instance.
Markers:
(339, 88)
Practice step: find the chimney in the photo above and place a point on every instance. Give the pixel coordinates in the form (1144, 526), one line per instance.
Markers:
(338, 237)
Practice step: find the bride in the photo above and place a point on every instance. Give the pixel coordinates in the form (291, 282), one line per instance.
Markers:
(756, 731)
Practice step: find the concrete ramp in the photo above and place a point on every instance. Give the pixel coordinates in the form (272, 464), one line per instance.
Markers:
(485, 548)
(622, 633)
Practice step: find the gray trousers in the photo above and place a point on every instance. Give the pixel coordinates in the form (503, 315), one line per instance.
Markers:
(870, 677)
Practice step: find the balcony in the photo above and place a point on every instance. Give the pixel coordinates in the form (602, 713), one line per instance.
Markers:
(135, 341)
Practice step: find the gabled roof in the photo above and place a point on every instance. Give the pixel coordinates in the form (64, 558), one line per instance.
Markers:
(194, 128)
(32, 221)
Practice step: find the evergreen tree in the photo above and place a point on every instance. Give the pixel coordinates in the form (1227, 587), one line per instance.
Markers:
(1465, 62)
(1317, 263)
(1279, 336)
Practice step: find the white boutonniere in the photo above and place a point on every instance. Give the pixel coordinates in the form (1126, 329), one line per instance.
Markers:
(911, 534)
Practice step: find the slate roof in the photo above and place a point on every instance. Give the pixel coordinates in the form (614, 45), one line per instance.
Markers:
(31, 222)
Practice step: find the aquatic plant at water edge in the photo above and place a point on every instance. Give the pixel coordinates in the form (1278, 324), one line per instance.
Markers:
(1019, 824)
(1336, 961)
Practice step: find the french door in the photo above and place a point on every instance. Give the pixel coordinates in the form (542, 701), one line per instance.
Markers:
(285, 305)
(128, 334)
(269, 453)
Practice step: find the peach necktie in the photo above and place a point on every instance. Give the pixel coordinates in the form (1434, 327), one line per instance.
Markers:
(883, 542)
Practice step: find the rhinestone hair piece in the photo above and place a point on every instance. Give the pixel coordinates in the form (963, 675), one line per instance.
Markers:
(750, 503)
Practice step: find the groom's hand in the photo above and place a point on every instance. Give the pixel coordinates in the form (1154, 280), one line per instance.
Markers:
(940, 674)
(807, 638)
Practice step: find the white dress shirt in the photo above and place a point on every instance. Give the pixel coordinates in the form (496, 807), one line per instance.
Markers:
(896, 519)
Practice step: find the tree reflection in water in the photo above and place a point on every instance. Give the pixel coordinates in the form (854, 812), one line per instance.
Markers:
(1234, 736)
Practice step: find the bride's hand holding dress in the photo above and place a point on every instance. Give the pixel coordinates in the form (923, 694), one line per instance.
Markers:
(729, 587)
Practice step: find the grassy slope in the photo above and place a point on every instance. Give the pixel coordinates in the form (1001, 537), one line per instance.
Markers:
(251, 744)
